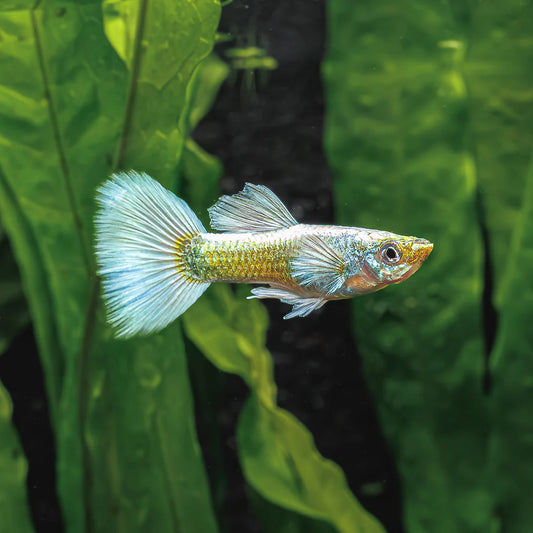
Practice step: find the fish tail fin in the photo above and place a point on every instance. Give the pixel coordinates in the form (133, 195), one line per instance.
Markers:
(141, 233)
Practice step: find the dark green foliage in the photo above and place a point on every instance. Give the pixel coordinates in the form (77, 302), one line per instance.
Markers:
(512, 366)
(76, 106)
(13, 309)
(430, 133)
(13, 316)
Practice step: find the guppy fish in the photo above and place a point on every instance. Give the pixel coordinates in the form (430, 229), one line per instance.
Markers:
(156, 258)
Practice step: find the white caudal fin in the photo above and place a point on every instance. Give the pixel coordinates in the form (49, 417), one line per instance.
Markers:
(141, 229)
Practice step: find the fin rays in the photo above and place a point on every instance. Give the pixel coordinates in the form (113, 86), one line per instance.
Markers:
(255, 208)
(138, 230)
(318, 264)
(301, 306)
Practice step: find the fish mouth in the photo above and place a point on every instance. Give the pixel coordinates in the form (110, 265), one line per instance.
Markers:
(422, 248)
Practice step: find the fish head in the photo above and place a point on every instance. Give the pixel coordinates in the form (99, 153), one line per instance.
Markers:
(388, 258)
(396, 257)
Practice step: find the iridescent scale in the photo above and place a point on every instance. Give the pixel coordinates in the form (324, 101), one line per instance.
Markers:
(263, 257)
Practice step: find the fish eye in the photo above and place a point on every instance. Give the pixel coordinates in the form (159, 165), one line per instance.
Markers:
(391, 253)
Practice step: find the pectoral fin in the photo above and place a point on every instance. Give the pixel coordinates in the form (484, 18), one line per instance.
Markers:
(301, 306)
(255, 208)
(318, 264)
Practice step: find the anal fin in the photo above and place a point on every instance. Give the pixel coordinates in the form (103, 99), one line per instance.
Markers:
(255, 208)
(301, 306)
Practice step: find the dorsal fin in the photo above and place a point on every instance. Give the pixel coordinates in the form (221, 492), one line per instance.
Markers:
(255, 208)
(317, 263)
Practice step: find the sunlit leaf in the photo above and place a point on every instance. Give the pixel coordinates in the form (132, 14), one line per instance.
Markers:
(277, 452)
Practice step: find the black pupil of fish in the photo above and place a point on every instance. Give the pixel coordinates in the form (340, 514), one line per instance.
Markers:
(391, 253)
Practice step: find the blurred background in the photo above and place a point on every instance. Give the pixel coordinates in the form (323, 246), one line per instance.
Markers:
(408, 410)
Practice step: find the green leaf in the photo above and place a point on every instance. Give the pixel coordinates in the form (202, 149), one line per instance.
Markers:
(13, 505)
(427, 103)
(499, 82)
(281, 461)
(274, 519)
(204, 86)
(277, 452)
(72, 110)
(202, 171)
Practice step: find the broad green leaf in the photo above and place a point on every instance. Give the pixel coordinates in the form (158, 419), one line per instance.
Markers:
(499, 80)
(21, 105)
(401, 163)
(281, 461)
(278, 455)
(121, 25)
(420, 122)
(73, 109)
(201, 171)
(203, 88)
(501, 91)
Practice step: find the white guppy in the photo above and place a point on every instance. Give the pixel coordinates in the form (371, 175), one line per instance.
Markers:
(156, 258)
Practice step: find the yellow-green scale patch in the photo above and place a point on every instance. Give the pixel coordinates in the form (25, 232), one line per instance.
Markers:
(247, 258)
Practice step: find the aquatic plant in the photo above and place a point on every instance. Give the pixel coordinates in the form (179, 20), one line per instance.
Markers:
(101, 87)
(438, 139)
(428, 132)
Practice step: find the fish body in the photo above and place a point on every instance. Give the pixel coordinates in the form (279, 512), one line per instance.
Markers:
(270, 257)
(156, 258)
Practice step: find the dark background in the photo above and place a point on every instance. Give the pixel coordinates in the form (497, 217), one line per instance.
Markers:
(266, 127)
